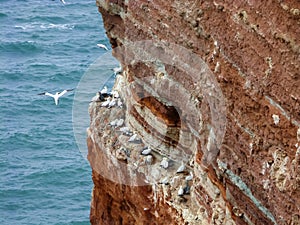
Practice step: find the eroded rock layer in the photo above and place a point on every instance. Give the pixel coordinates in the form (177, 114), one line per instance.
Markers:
(213, 86)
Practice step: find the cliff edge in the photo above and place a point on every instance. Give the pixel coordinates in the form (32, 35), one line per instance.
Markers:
(206, 124)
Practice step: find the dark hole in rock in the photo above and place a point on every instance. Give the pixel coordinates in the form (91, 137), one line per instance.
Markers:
(168, 114)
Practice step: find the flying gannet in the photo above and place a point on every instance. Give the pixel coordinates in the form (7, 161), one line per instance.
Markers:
(102, 46)
(57, 95)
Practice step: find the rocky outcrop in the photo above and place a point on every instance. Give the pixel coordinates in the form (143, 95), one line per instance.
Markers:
(214, 86)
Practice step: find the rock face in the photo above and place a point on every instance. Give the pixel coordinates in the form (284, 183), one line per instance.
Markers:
(213, 86)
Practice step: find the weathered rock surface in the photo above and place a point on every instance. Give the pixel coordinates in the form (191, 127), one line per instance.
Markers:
(250, 174)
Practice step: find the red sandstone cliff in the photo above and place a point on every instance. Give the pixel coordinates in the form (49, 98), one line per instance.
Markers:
(235, 125)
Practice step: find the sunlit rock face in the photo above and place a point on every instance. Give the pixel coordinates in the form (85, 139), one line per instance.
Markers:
(213, 86)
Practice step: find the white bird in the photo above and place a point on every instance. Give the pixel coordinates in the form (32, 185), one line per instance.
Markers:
(180, 191)
(106, 103)
(115, 94)
(104, 90)
(96, 97)
(57, 95)
(102, 46)
(112, 103)
(189, 177)
(133, 138)
(148, 159)
(146, 151)
(164, 163)
(119, 122)
(63, 2)
(181, 168)
(117, 70)
(165, 180)
(114, 122)
(119, 103)
(125, 130)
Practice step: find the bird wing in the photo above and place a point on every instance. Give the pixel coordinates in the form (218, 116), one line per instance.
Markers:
(102, 46)
(64, 92)
(49, 94)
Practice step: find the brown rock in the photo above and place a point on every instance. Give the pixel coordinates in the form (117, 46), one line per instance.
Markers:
(252, 51)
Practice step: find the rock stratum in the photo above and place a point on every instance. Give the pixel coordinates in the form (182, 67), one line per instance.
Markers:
(213, 86)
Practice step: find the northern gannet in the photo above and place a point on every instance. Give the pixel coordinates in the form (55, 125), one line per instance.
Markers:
(133, 138)
(148, 159)
(117, 70)
(181, 168)
(106, 102)
(104, 90)
(119, 103)
(165, 180)
(102, 46)
(97, 97)
(146, 151)
(189, 177)
(112, 103)
(180, 191)
(164, 163)
(57, 95)
(125, 130)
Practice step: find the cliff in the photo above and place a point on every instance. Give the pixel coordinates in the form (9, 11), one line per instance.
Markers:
(213, 86)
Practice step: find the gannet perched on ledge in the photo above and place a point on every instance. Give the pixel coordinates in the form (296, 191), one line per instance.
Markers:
(57, 95)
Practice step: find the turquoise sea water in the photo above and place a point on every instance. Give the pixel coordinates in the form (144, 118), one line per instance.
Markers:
(45, 46)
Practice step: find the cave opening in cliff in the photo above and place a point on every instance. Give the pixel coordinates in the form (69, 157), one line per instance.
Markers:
(168, 114)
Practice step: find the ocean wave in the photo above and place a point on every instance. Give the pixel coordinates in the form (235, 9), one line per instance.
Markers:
(20, 47)
(25, 26)
(44, 26)
(47, 66)
(57, 26)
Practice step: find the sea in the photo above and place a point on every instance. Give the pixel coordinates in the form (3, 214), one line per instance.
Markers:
(45, 46)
